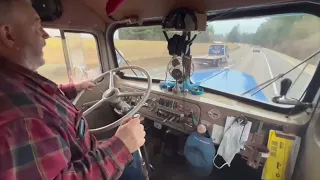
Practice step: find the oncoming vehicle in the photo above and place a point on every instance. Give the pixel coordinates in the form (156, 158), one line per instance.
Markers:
(256, 49)
(218, 53)
(170, 61)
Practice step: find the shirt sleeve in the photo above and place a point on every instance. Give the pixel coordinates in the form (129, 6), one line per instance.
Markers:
(69, 90)
(31, 150)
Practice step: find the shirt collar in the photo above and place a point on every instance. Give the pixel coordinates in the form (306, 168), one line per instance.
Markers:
(29, 75)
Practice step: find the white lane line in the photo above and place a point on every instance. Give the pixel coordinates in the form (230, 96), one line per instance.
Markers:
(271, 74)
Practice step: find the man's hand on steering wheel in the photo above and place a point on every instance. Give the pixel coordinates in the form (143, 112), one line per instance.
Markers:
(131, 133)
(84, 85)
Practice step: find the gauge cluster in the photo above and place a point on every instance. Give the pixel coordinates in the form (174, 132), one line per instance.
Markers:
(184, 115)
(177, 114)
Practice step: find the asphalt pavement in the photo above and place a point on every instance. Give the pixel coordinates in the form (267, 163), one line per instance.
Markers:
(265, 65)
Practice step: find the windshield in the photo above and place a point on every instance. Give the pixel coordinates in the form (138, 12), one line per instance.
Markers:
(233, 56)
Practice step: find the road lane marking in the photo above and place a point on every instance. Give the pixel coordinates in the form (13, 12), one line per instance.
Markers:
(310, 70)
(271, 74)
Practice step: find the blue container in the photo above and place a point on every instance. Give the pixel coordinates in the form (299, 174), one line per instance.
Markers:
(199, 152)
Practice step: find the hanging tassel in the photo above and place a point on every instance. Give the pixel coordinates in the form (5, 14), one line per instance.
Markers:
(113, 5)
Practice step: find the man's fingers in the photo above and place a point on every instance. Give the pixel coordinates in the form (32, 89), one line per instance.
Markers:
(135, 121)
(141, 142)
(141, 127)
(91, 83)
(141, 119)
(136, 116)
(126, 120)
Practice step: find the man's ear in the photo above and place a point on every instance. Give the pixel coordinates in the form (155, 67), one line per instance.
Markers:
(6, 37)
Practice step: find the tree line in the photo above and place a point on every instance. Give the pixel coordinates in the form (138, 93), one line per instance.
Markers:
(155, 33)
(294, 35)
(284, 33)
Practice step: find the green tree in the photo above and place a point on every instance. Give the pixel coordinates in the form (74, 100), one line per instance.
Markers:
(219, 37)
(141, 33)
(206, 36)
(275, 30)
(234, 35)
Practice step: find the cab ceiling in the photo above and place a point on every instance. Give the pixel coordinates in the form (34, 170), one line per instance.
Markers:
(146, 9)
(91, 14)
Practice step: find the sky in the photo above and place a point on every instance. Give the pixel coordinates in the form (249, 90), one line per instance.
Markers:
(249, 25)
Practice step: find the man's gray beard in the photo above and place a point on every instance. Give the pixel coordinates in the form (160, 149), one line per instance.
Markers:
(33, 63)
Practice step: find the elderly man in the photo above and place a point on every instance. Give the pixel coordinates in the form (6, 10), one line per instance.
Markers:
(39, 136)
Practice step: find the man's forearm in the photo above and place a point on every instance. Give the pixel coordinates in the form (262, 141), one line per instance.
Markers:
(108, 161)
(52, 157)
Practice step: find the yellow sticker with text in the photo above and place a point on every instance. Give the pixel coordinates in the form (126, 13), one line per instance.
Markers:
(277, 163)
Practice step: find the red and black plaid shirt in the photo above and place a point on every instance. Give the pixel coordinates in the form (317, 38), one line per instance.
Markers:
(39, 136)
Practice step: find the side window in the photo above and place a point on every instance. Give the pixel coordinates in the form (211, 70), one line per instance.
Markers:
(55, 65)
(70, 57)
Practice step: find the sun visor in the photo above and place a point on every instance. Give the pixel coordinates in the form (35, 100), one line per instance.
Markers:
(48, 10)
(113, 5)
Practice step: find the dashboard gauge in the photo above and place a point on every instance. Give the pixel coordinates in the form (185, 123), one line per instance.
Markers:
(189, 120)
(214, 114)
(151, 104)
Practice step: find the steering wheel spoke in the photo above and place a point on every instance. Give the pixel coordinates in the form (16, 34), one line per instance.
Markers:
(125, 94)
(93, 107)
(111, 82)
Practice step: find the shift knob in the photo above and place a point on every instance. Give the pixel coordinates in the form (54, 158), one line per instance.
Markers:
(285, 85)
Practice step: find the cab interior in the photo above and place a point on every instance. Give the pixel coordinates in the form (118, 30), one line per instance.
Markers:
(165, 140)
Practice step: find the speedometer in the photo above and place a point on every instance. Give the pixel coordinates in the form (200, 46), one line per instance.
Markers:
(151, 104)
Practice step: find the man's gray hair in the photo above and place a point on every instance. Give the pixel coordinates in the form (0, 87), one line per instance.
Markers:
(5, 9)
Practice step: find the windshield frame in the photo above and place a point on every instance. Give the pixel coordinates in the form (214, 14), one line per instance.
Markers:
(255, 11)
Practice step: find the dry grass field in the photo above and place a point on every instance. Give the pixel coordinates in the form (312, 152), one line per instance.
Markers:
(134, 51)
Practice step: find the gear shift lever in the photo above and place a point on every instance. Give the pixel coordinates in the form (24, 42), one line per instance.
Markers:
(285, 85)
(144, 165)
(283, 99)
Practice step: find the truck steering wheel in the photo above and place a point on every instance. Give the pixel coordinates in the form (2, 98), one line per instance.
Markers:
(113, 95)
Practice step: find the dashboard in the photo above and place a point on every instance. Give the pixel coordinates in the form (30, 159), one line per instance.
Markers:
(184, 112)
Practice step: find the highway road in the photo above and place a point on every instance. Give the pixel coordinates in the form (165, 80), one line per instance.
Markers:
(265, 65)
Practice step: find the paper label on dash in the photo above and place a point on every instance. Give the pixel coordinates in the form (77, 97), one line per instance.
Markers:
(217, 133)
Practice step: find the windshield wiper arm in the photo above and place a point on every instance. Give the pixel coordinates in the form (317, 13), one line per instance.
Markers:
(225, 69)
(270, 81)
(128, 64)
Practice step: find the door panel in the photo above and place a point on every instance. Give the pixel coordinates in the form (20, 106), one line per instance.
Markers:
(308, 164)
